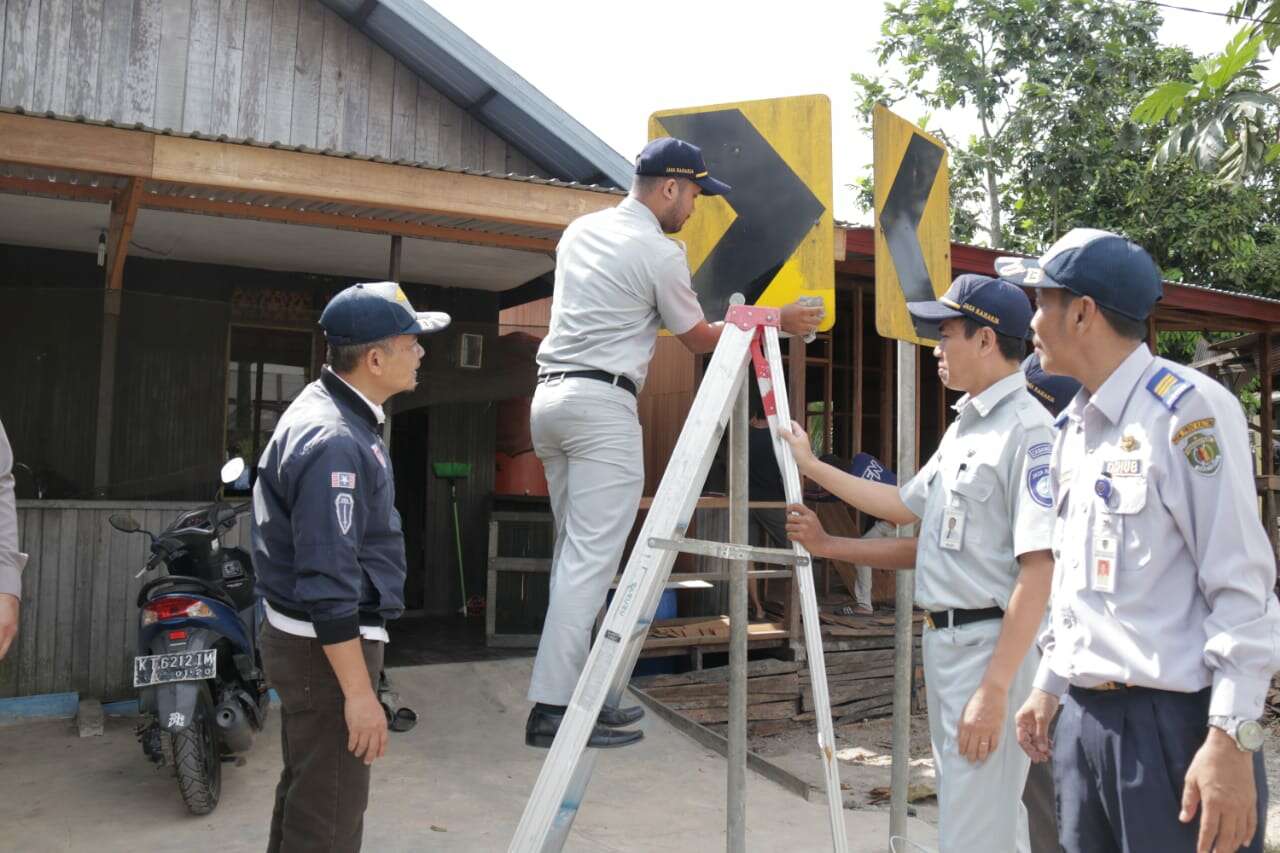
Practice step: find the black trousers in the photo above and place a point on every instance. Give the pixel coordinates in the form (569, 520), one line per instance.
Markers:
(323, 789)
(1119, 761)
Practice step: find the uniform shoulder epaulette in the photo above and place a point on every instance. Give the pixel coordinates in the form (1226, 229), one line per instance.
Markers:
(1168, 387)
(1030, 413)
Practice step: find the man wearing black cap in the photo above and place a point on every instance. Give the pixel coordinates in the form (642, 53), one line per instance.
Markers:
(618, 280)
(329, 555)
(1164, 629)
(983, 559)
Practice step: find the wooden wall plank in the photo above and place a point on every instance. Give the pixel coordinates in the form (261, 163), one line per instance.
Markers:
(355, 101)
(80, 638)
(113, 60)
(107, 577)
(494, 155)
(333, 82)
(21, 31)
(472, 143)
(280, 70)
(382, 73)
(46, 627)
(202, 51)
(62, 618)
(225, 115)
(82, 57)
(427, 134)
(171, 67)
(404, 113)
(4, 16)
(50, 89)
(254, 68)
(449, 152)
(303, 122)
(28, 649)
(144, 55)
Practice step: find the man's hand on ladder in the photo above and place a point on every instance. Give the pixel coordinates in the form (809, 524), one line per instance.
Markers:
(801, 448)
(800, 319)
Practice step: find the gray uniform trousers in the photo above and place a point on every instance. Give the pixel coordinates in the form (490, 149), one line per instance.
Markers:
(587, 434)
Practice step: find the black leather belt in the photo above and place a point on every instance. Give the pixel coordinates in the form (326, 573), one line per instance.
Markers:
(600, 375)
(956, 618)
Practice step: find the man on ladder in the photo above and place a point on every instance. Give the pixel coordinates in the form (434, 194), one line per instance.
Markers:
(618, 280)
(983, 563)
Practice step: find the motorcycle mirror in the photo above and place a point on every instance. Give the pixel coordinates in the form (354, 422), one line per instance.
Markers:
(232, 470)
(124, 523)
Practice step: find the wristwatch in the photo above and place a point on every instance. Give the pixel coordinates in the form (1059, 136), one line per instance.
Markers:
(1248, 734)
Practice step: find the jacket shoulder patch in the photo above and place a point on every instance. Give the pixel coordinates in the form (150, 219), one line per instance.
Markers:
(1168, 387)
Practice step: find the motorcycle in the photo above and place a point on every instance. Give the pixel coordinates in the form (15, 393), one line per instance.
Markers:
(202, 693)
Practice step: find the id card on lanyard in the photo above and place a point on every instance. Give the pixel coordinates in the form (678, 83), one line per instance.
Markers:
(1105, 549)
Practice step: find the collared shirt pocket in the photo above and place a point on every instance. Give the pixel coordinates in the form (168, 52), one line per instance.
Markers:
(1122, 512)
(971, 488)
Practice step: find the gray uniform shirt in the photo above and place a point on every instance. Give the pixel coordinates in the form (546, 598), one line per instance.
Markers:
(618, 280)
(992, 466)
(11, 559)
(1158, 460)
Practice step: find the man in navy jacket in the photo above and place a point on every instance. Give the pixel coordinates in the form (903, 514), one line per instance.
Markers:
(329, 555)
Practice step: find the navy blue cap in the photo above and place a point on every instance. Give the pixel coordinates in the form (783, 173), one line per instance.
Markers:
(1052, 390)
(1116, 273)
(983, 299)
(674, 158)
(867, 467)
(374, 311)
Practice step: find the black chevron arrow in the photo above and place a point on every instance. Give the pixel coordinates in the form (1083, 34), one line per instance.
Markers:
(775, 209)
(901, 214)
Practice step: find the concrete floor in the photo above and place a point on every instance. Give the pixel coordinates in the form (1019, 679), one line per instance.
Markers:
(458, 782)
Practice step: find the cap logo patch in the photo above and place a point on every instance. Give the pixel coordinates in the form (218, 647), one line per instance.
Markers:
(976, 311)
(1033, 276)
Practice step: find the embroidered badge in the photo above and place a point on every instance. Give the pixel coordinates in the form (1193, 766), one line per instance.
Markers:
(1044, 448)
(1129, 444)
(1168, 387)
(342, 480)
(1202, 423)
(377, 452)
(345, 506)
(1203, 453)
(1038, 485)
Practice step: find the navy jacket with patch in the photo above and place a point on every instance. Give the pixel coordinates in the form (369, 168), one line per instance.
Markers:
(327, 542)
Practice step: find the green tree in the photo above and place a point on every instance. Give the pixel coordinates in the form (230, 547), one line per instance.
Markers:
(1221, 116)
(1056, 146)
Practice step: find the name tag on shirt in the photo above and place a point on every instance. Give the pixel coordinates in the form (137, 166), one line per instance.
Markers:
(952, 536)
(1106, 547)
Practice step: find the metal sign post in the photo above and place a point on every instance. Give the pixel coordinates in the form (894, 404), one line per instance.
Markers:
(903, 602)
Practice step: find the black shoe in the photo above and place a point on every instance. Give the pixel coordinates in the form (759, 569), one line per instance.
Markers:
(542, 726)
(616, 718)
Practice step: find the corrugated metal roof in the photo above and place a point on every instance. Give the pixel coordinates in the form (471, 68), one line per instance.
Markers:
(477, 81)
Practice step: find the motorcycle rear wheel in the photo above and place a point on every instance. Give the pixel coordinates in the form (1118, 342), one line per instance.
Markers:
(197, 757)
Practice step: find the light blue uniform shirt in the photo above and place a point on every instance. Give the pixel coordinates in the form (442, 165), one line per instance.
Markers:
(992, 465)
(1159, 460)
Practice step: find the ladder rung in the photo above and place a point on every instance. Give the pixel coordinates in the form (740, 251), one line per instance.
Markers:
(729, 551)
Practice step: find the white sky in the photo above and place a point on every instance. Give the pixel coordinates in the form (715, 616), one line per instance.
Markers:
(610, 64)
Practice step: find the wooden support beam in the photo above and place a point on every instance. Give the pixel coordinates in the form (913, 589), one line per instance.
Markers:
(340, 222)
(124, 212)
(856, 362)
(393, 267)
(53, 143)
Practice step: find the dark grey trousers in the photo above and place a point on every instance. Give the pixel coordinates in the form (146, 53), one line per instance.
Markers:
(323, 789)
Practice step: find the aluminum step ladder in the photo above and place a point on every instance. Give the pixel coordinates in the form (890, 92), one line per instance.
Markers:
(750, 338)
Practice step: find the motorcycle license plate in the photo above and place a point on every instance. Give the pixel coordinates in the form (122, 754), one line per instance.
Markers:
(149, 670)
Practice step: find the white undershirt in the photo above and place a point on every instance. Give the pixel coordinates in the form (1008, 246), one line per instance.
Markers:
(377, 410)
(299, 628)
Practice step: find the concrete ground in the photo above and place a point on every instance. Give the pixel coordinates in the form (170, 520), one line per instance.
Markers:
(458, 782)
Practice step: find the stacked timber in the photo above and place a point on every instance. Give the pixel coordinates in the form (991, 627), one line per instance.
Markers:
(773, 693)
(859, 656)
